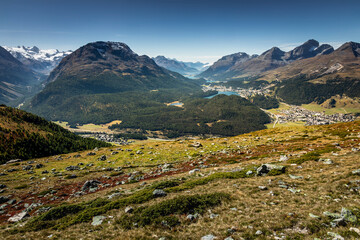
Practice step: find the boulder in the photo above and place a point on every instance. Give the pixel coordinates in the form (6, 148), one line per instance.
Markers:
(129, 209)
(266, 168)
(208, 237)
(159, 193)
(97, 220)
(18, 217)
(90, 184)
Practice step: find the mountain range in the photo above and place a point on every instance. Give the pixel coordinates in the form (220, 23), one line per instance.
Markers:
(105, 81)
(188, 69)
(241, 65)
(39, 60)
(16, 79)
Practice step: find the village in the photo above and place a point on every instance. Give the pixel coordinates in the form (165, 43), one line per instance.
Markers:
(299, 114)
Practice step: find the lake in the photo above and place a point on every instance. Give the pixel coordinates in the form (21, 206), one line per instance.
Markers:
(228, 93)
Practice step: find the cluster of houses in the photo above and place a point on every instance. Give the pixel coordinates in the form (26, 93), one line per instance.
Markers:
(107, 138)
(299, 114)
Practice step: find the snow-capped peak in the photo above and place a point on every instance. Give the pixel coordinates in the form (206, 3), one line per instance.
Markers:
(40, 60)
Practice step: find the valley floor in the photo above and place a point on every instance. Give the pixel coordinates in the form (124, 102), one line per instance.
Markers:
(189, 189)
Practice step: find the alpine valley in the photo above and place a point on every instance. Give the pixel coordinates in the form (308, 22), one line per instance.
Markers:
(254, 147)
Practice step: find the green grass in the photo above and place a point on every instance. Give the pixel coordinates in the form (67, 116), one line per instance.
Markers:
(313, 155)
(158, 214)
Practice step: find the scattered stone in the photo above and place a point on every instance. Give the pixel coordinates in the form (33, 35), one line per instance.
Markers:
(129, 209)
(249, 172)
(159, 193)
(27, 167)
(283, 158)
(263, 187)
(229, 238)
(77, 155)
(196, 145)
(91, 154)
(72, 168)
(335, 236)
(18, 217)
(194, 171)
(139, 152)
(14, 161)
(258, 232)
(354, 149)
(44, 172)
(102, 158)
(208, 237)
(114, 153)
(266, 168)
(3, 199)
(191, 217)
(72, 176)
(97, 220)
(213, 215)
(313, 216)
(348, 216)
(2, 186)
(326, 161)
(114, 195)
(39, 165)
(295, 177)
(356, 172)
(12, 201)
(293, 190)
(90, 184)
(355, 230)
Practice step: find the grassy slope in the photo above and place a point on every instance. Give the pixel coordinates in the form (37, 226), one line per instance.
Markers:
(24, 135)
(276, 210)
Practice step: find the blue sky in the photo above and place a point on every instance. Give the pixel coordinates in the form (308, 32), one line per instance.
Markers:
(188, 30)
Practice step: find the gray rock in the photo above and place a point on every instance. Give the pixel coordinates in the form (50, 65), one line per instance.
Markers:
(208, 237)
(18, 217)
(356, 172)
(12, 201)
(295, 177)
(2, 186)
(263, 187)
(102, 158)
(193, 171)
(39, 165)
(139, 152)
(258, 232)
(283, 158)
(3, 199)
(213, 215)
(196, 145)
(249, 172)
(348, 216)
(97, 220)
(129, 209)
(159, 193)
(91, 154)
(313, 216)
(27, 167)
(326, 161)
(114, 195)
(72, 168)
(14, 161)
(114, 153)
(335, 236)
(93, 184)
(266, 168)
